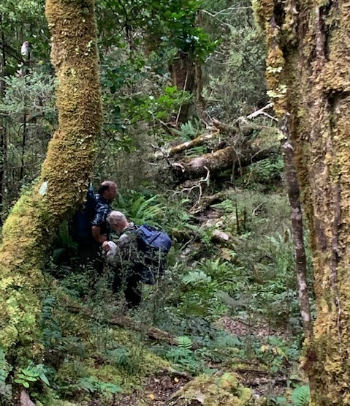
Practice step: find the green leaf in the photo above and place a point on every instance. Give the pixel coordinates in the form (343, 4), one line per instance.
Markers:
(44, 379)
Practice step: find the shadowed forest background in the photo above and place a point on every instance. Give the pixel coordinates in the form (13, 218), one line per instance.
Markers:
(191, 139)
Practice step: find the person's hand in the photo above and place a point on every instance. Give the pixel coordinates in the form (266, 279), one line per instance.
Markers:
(105, 246)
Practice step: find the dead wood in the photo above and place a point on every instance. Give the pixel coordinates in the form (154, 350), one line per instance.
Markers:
(207, 201)
(128, 323)
(261, 112)
(200, 140)
(218, 161)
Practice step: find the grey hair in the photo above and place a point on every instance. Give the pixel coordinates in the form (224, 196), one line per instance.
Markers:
(116, 217)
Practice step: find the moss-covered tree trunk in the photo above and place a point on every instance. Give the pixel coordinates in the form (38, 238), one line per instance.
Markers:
(308, 73)
(64, 177)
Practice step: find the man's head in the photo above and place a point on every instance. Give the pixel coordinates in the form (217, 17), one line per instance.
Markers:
(117, 221)
(108, 190)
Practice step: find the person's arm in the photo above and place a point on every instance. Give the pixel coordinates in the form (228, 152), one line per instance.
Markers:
(98, 222)
(110, 249)
(96, 233)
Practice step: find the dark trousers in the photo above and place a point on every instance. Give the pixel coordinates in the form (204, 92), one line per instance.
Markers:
(90, 258)
(130, 281)
(89, 253)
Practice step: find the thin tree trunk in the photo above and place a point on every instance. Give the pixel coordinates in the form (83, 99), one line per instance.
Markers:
(24, 139)
(30, 227)
(297, 230)
(25, 50)
(183, 73)
(3, 143)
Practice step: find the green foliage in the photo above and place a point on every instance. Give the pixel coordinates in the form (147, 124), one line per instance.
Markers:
(184, 342)
(140, 209)
(265, 171)
(236, 71)
(126, 359)
(190, 130)
(31, 94)
(92, 385)
(5, 369)
(196, 278)
(164, 23)
(301, 396)
(31, 374)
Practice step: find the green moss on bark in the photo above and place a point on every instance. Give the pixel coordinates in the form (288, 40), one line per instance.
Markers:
(313, 39)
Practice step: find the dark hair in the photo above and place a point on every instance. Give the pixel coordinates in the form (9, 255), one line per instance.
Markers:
(103, 188)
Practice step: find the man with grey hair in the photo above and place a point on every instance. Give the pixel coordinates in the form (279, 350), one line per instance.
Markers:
(125, 257)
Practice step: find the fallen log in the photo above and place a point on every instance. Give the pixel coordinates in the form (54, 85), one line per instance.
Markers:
(128, 323)
(207, 201)
(218, 161)
(200, 140)
(197, 167)
(193, 143)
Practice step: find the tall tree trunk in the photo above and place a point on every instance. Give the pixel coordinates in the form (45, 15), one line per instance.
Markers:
(3, 141)
(25, 51)
(308, 73)
(183, 73)
(64, 177)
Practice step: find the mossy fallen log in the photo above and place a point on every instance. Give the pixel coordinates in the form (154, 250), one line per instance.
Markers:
(220, 160)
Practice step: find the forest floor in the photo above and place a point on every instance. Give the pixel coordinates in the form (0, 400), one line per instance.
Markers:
(228, 300)
(161, 389)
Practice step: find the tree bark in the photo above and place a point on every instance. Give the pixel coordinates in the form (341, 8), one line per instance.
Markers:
(29, 228)
(183, 73)
(309, 77)
(297, 230)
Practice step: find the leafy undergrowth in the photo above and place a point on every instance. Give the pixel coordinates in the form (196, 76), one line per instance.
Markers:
(228, 299)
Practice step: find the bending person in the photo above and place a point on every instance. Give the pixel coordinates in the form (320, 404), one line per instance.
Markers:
(125, 258)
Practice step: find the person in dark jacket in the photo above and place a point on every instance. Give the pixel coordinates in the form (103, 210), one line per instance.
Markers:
(89, 246)
(107, 192)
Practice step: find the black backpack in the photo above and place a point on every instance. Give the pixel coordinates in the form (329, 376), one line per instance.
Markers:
(80, 224)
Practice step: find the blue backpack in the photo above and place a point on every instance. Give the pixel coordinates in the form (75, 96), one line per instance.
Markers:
(80, 224)
(155, 245)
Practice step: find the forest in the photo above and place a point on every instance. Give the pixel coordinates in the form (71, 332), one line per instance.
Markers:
(219, 124)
